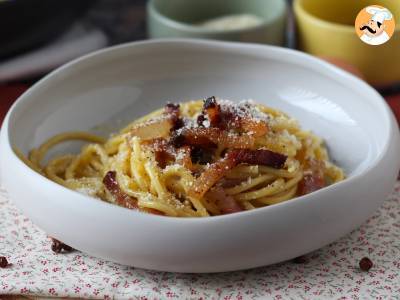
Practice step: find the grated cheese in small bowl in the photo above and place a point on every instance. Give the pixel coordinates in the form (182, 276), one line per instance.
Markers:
(232, 22)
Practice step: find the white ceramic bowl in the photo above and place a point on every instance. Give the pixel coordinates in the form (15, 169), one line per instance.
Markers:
(127, 81)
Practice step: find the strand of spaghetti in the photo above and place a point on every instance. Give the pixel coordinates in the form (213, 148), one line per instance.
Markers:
(202, 211)
(112, 145)
(83, 160)
(279, 143)
(286, 195)
(277, 172)
(293, 181)
(271, 111)
(210, 206)
(166, 209)
(145, 200)
(248, 184)
(137, 167)
(242, 171)
(280, 123)
(57, 166)
(38, 154)
(185, 183)
(247, 205)
(155, 179)
(181, 177)
(121, 160)
(335, 173)
(273, 188)
(88, 186)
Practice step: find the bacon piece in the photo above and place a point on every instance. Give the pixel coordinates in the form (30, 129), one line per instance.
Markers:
(231, 182)
(154, 128)
(211, 175)
(172, 110)
(183, 157)
(160, 126)
(227, 204)
(227, 119)
(217, 170)
(201, 155)
(165, 153)
(313, 178)
(122, 199)
(200, 120)
(210, 137)
(213, 111)
(259, 157)
(256, 127)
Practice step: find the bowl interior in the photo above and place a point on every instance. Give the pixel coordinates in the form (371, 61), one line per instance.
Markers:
(194, 11)
(343, 11)
(105, 91)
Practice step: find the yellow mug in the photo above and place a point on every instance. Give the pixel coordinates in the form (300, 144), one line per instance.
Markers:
(326, 28)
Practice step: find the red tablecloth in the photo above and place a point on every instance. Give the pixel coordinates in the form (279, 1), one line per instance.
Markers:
(8, 94)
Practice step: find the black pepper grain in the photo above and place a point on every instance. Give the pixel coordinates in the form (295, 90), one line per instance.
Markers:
(58, 247)
(300, 260)
(3, 262)
(365, 264)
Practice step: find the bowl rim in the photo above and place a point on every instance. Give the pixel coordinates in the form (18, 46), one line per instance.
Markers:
(300, 11)
(187, 27)
(302, 58)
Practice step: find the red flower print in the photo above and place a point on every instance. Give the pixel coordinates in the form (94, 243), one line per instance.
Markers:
(171, 294)
(52, 291)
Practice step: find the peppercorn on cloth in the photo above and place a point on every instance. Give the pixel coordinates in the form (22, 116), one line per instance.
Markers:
(330, 272)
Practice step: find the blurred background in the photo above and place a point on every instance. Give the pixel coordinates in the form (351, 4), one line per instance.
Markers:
(40, 35)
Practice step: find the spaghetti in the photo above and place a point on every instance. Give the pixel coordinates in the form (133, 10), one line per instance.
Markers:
(195, 159)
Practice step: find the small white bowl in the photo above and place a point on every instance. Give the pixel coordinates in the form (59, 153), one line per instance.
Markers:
(125, 82)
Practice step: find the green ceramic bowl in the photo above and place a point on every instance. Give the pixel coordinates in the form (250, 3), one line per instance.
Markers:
(177, 18)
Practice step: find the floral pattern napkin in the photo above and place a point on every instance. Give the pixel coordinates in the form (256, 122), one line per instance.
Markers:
(330, 272)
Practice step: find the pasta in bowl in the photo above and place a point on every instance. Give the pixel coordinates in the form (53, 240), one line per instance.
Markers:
(103, 91)
(196, 159)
